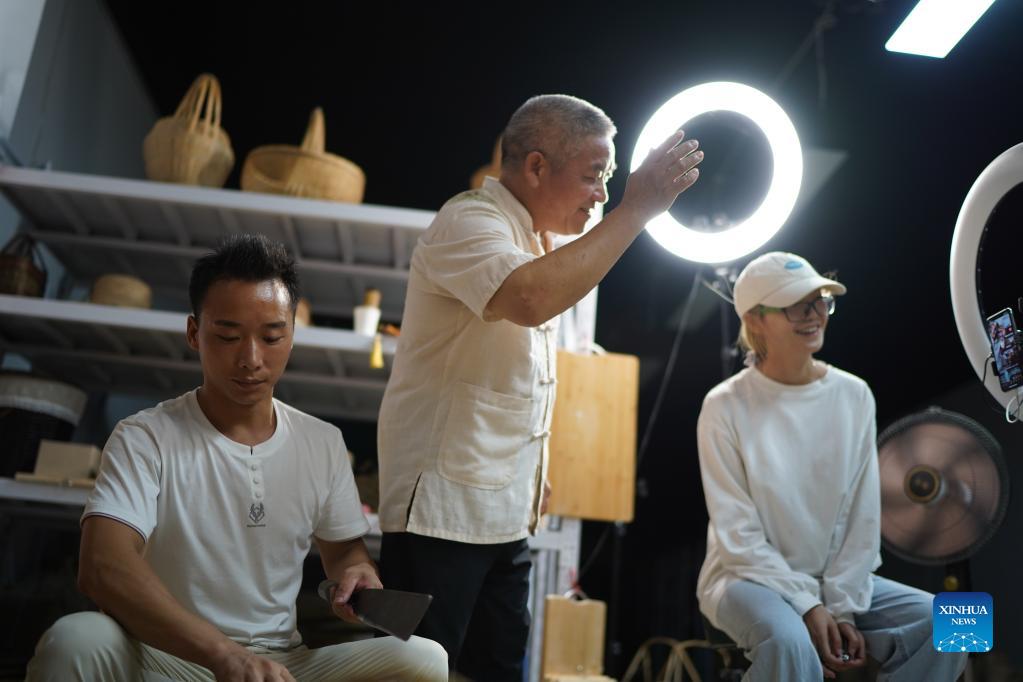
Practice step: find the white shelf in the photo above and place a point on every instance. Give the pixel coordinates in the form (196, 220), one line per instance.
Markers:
(154, 230)
(128, 350)
(11, 489)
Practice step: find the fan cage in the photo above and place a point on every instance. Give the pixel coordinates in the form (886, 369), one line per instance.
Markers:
(936, 415)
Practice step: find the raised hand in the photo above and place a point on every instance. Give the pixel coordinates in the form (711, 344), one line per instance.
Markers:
(668, 170)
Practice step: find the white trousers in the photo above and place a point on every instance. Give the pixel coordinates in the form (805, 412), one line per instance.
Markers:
(92, 647)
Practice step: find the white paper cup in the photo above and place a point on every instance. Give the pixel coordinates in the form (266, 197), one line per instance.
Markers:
(367, 319)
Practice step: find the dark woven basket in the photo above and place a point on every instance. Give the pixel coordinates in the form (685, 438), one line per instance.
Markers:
(33, 408)
(21, 431)
(22, 271)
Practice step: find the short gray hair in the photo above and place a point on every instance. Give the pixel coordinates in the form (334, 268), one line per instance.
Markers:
(554, 124)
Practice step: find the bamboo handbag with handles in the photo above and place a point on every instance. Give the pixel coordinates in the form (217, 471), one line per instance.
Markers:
(307, 171)
(22, 270)
(190, 147)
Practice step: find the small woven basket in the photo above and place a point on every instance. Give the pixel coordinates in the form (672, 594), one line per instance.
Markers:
(307, 171)
(121, 290)
(22, 270)
(190, 147)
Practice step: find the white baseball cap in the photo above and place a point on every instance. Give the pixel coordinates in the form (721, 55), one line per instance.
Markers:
(778, 279)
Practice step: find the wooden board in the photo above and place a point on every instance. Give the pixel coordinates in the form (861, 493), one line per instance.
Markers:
(593, 437)
(573, 637)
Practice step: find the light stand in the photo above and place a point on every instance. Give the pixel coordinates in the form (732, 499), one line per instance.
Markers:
(726, 275)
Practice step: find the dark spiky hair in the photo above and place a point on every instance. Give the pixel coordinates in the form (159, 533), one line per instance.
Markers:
(244, 257)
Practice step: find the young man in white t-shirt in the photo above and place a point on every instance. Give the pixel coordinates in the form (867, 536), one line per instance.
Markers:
(206, 506)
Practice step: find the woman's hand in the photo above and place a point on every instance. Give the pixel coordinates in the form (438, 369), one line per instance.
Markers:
(855, 645)
(826, 638)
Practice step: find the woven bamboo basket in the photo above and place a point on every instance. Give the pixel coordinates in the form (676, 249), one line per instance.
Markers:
(307, 171)
(190, 147)
(121, 290)
(22, 269)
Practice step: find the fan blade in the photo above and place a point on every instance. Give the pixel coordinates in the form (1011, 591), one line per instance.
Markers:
(892, 484)
(898, 453)
(969, 504)
(901, 517)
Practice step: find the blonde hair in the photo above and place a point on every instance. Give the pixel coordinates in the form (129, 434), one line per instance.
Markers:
(752, 345)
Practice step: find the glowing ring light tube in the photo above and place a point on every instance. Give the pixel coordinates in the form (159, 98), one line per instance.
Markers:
(774, 210)
(1001, 175)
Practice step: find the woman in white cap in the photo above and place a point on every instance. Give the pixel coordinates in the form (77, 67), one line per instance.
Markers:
(789, 466)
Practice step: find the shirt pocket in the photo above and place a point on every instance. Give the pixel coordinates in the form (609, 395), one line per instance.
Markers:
(483, 436)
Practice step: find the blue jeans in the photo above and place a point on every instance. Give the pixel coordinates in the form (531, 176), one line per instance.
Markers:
(897, 629)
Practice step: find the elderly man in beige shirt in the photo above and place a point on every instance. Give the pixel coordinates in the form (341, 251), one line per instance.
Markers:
(464, 425)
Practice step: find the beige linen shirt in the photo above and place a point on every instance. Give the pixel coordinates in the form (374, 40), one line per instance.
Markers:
(465, 421)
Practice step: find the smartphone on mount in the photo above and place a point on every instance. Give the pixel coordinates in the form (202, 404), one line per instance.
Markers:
(1005, 348)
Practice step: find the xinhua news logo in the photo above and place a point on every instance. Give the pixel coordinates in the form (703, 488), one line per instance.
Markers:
(963, 622)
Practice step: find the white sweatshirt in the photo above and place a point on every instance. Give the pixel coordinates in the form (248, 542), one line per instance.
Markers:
(790, 477)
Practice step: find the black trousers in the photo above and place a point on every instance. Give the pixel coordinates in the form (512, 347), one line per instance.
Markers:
(480, 611)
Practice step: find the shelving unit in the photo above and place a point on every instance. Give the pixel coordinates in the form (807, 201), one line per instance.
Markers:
(155, 231)
(106, 348)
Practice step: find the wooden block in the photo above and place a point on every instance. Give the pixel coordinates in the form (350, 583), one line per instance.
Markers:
(593, 437)
(26, 477)
(573, 637)
(61, 460)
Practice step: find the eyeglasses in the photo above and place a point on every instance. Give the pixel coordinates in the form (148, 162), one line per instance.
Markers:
(822, 306)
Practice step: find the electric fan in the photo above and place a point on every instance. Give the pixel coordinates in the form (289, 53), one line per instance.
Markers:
(944, 490)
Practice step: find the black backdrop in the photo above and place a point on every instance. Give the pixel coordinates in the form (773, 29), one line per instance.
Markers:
(416, 94)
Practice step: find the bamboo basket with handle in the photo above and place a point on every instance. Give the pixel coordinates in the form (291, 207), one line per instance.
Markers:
(190, 147)
(307, 171)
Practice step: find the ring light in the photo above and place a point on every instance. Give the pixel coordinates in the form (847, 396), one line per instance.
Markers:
(1004, 173)
(747, 235)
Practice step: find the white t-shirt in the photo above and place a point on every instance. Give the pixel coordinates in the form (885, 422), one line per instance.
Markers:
(465, 421)
(791, 481)
(228, 526)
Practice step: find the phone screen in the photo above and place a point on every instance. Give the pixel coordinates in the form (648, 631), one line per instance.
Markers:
(1005, 346)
